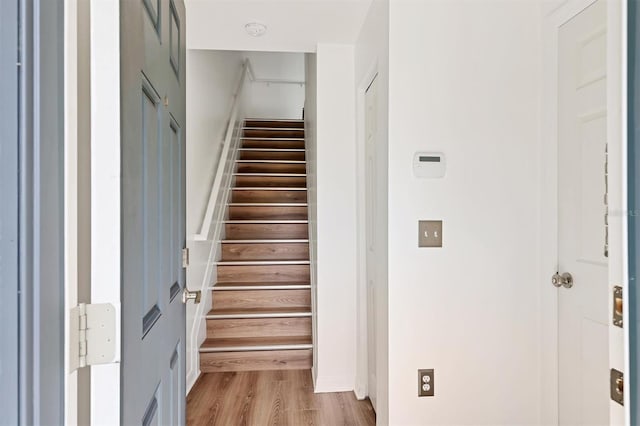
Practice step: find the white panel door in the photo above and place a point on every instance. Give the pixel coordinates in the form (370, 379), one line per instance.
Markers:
(153, 207)
(582, 143)
(370, 219)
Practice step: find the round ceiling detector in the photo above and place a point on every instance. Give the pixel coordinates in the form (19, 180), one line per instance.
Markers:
(255, 29)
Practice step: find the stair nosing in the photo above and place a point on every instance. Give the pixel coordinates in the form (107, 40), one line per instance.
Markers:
(267, 204)
(260, 315)
(253, 138)
(283, 120)
(262, 262)
(273, 149)
(267, 241)
(268, 188)
(271, 174)
(263, 287)
(256, 348)
(272, 161)
(276, 129)
(267, 222)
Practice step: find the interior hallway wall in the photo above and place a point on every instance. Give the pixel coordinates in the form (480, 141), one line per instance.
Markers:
(212, 76)
(464, 80)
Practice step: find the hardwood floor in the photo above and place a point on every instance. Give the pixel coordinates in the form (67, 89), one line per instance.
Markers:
(261, 398)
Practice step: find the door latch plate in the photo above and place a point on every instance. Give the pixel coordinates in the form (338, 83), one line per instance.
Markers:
(617, 306)
(616, 383)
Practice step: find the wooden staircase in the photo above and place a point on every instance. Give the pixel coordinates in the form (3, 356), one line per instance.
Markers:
(261, 316)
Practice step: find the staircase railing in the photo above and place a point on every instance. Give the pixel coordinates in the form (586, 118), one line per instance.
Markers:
(212, 223)
(221, 173)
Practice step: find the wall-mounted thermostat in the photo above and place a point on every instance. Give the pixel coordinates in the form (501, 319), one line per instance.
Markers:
(429, 164)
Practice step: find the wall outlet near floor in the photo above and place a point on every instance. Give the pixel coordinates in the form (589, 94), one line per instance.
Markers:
(425, 382)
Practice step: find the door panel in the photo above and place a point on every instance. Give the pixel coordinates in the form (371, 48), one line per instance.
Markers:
(582, 144)
(153, 203)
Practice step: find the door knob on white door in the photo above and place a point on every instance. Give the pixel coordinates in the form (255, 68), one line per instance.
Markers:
(562, 280)
(191, 295)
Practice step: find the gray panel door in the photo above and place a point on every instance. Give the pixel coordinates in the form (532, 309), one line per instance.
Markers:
(153, 211)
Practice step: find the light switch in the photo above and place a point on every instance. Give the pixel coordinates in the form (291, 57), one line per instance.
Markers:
(430, 233)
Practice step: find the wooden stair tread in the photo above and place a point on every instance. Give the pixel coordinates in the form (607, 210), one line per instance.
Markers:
(273, 149)
(266, 222)
(263, 138)
(262, 188)
(252, 312)
(266, 262)
(292, 359)
(266, 174)
(255, 343)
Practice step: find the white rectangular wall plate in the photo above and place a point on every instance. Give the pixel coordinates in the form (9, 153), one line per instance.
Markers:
(430, 165)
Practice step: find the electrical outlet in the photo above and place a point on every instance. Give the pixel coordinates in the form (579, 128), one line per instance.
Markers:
(425, 382)
(430, 233)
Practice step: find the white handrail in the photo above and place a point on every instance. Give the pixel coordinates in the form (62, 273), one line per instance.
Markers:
(203, 235)
(254, 79)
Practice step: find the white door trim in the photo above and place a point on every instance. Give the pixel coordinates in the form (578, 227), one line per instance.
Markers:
(105, 193)
(554, 15)
(618, 205)
(362, 363)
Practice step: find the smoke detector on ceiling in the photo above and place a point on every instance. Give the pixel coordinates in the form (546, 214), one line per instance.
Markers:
(255, 29)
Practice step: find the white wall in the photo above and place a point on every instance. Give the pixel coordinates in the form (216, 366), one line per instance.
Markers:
(271, 100)
(311, 146)
(212, 76)
(371, 58)
(335, 246)
(464, 80)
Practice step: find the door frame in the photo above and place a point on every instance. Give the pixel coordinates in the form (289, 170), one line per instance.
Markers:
(362, 363)
(105, 194)
(634, 204)
(554, 15)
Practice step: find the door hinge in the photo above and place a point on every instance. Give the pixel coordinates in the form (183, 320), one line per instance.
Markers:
(185, 257)
(616, 385)
(92, 335)
(617, 306)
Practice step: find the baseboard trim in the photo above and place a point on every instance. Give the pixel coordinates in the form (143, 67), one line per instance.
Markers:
(324, 384)
(192, 378)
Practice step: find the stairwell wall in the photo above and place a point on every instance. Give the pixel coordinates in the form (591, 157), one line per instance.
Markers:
(212, 76)
(272, 100)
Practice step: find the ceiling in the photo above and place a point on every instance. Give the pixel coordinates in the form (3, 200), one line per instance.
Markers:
(292, 26)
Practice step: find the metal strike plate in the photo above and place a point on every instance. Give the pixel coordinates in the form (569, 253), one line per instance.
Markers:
(617, 306)
(616, 384)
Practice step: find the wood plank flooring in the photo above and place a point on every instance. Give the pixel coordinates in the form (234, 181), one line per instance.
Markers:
(273, 398)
